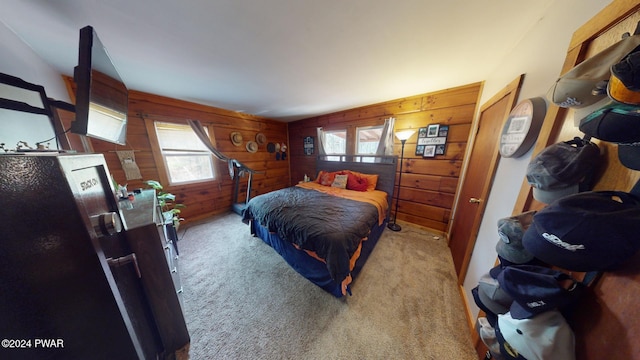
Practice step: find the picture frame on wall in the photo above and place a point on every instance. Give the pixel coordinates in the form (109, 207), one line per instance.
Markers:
(443, 131)
(432, 140)
(308, 145)
(429, 151)
(432, 130)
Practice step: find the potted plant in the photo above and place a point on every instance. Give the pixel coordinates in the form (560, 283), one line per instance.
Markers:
(167, 202)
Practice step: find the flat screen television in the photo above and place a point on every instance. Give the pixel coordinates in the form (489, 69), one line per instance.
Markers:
(101, 96)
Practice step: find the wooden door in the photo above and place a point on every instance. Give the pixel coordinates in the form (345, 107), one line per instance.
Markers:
(482, 163)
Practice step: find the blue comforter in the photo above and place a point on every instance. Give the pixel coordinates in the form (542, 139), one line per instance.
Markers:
(330, 226)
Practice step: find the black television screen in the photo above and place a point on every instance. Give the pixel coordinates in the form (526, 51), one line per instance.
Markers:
(101, 96)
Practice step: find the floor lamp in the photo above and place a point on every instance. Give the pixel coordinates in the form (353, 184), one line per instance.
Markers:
(403, 136)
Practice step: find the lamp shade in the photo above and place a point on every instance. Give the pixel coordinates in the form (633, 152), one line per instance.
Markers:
(404, 134)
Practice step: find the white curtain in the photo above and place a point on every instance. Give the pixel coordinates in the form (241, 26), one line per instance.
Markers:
(202, 135)
(321, 141)
(385, 146)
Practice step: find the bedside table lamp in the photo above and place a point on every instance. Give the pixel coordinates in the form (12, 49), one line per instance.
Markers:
(403, 136)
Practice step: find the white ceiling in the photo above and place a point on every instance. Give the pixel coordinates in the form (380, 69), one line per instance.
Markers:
(282, 59)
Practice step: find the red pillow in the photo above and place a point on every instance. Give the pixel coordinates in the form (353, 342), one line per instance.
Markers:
(357, 183)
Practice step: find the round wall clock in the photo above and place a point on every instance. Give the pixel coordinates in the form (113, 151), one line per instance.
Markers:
(522, 127)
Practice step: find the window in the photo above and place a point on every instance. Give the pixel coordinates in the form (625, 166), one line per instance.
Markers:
(368, 139)
(185, 157)
(335, 143)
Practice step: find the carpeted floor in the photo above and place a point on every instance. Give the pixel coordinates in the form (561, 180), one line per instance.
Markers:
(243, 301)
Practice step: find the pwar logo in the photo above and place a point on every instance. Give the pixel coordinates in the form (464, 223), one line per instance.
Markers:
(558, 242)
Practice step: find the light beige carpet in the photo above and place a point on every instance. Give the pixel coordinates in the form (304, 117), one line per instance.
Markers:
(243, 301)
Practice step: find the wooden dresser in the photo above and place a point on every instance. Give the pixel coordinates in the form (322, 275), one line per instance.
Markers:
(147, 232)
(84, 276)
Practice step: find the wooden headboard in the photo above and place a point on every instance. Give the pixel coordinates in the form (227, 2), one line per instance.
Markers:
(384, 166)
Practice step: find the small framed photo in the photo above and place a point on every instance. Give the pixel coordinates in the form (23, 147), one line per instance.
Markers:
(432, 130)
(419, 149)
(422, 132)
(429, 151)
(440, 149)
(443, 131)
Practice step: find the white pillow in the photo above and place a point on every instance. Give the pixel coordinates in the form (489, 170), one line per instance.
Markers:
(340, 181)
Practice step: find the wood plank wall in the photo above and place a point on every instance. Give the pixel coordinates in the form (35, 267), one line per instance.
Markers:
(208, 198)
(428, 184)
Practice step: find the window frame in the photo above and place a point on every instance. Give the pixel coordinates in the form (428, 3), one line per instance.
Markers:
(336, 156)
(357, 138)
(160, 159)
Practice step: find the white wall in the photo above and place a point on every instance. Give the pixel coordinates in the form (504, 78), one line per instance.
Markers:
(20, 61)
(539, 56)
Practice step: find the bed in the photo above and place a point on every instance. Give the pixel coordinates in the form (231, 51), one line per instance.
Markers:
(326, 233)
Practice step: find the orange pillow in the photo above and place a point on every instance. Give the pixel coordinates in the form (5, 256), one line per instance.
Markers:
(372, 179)
(326, 178)
(357, 183)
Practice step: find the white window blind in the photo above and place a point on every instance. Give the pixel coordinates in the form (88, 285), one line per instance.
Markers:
(186, 158)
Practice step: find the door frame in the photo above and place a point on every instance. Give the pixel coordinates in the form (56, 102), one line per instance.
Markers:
(511, 91)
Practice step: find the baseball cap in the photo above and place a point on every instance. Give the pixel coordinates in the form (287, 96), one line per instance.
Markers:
(624, 83)
(575, 89)
(503, 263)
(536, 289)
(613, 122)
(546, 336)
(490, 315)
(487, 334)
(629, 155)
(617, 123)
(589, 231)
(562, 169)
(510, 231)
(492, 295)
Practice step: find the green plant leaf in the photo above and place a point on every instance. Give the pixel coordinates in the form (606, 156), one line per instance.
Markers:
(154, 184)
(166, 200)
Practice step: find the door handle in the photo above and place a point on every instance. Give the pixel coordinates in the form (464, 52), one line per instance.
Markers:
(475, 200)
